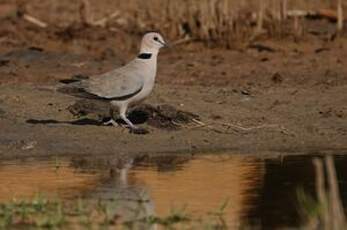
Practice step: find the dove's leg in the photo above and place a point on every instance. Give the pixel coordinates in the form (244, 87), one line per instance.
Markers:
(112, 120)
(122, 113)
(133, 129)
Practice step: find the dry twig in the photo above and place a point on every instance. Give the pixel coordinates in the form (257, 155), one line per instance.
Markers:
(336, 210)
(187, 39)
(321, 192)
(260, 17)
(103, 21)
(340, 18)
(85, 12)
(35, 21)
(88, 18)
(331, 215)
(236, 127)
(284, 9)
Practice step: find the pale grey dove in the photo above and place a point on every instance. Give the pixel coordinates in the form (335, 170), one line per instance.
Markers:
(127, 85)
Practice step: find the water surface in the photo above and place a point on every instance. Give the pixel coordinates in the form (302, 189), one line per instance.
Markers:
(257, 191)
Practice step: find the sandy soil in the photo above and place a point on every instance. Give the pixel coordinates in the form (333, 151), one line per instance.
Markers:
(291, 98)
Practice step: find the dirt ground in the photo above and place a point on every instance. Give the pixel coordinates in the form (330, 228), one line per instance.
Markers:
(281, 96)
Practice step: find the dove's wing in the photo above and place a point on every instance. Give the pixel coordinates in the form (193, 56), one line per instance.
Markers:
(118, 84)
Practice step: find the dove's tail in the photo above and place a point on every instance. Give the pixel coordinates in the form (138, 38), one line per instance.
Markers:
(72, 86)
(75, 87)
(68, 81)
(70, 90)
(75, 78)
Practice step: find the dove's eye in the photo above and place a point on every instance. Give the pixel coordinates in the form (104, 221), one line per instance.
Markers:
(155, 39)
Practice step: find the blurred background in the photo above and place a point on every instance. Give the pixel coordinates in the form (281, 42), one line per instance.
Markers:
(111, 29)
(225, 23)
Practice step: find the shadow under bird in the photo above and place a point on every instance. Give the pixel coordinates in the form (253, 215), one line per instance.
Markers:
(125, 86)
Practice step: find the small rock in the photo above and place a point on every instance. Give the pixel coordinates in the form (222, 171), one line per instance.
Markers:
(245, 92)
(277, 78)
(29, 145)
(262, 47)
(4, 62)
(264, 59)
(319, 50)
(215, 117)
(34, 48)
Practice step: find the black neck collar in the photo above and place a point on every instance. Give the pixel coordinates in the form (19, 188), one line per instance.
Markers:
(144, 56)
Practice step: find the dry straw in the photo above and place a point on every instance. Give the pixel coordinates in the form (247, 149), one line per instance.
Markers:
(225, 21)
(331, 214)
(213, 21)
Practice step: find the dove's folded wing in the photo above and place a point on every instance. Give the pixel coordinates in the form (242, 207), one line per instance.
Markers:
(114, 85)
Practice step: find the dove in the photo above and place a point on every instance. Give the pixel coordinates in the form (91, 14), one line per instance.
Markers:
(125, 86)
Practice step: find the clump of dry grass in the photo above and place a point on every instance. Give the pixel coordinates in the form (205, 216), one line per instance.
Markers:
(220, 22)
(325, 212)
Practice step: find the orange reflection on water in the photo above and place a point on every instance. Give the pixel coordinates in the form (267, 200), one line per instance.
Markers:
(203, 184)
(23, 180)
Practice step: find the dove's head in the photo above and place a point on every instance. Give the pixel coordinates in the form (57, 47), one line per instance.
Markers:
(152, 42)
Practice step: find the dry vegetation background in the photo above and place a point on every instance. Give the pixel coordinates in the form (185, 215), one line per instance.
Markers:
(215, 21)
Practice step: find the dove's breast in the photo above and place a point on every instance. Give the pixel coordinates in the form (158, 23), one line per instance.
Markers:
(145, 71)
(146, 90)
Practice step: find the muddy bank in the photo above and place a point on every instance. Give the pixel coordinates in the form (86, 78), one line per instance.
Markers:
(267, 125)
(251, 101)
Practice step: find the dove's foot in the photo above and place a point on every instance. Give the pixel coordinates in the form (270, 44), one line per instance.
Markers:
(138, 130)
(111, 122)
(132, 128)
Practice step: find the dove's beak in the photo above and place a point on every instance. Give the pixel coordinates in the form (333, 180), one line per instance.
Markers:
(165, 45)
